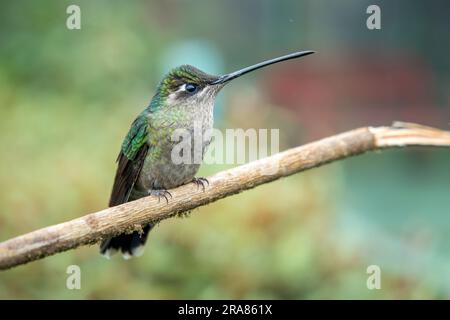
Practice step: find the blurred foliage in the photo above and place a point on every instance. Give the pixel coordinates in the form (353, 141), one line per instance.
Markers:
(67, 99)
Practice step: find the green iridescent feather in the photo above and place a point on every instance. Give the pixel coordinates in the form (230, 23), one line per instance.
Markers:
(136, 137)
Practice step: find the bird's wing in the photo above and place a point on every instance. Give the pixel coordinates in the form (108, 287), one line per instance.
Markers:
(130, 161)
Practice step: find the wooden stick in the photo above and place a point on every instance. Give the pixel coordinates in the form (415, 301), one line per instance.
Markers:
(130, 216)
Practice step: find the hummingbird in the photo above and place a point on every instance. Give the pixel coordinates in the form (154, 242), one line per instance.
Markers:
(185, 96)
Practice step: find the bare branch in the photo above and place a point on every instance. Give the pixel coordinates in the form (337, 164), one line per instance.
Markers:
(129, 217)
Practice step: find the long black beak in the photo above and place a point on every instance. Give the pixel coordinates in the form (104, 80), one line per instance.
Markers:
(228, 77)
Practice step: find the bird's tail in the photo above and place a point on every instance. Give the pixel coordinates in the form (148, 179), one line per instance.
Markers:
(131, 245)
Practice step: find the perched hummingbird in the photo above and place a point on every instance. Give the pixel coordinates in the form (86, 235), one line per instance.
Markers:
(185, 96)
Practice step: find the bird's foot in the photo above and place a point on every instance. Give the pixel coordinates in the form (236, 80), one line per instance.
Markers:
(200, 181)
(161, 193)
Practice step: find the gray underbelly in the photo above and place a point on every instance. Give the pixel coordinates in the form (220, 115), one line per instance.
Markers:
(167, 175)
(162, 173)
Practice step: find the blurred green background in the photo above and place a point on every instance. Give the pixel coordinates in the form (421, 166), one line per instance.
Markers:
(67, 98)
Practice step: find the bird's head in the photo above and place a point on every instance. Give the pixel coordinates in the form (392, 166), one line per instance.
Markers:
(187, 85)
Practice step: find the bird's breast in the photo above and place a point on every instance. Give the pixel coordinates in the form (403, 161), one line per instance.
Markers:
(178, 142)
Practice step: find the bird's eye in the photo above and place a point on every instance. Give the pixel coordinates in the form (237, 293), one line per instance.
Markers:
(191, 88)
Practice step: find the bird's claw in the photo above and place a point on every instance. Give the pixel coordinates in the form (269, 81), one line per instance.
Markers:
(161, 193)
(200, 181)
